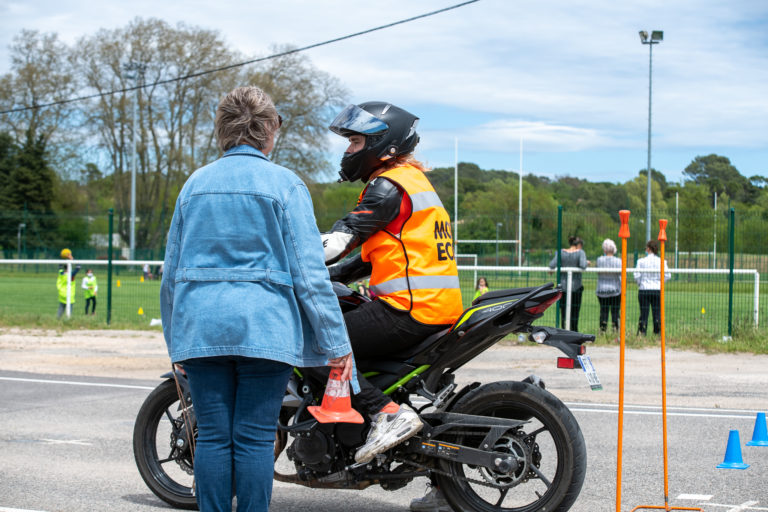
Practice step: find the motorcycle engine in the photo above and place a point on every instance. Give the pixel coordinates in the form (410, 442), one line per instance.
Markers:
(314, 450)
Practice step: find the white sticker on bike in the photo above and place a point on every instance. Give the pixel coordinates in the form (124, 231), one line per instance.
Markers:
(590, 373)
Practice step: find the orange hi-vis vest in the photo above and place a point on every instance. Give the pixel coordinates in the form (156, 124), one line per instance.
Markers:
(412, 259)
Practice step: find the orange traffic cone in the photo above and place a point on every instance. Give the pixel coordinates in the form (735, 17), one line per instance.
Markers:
(337, 405)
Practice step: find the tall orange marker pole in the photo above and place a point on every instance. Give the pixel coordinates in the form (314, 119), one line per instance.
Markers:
(623, 234)
(662, 243)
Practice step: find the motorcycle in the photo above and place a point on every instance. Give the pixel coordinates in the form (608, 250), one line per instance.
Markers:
(502, 446)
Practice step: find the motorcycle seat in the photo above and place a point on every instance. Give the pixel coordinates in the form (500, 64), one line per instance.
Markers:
(502, 294)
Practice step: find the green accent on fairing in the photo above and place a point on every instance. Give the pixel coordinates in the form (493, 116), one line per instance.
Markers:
(370, 374)
(396, 385)
(297, 372)
(474, 310)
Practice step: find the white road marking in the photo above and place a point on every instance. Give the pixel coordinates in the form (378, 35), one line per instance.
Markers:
(75, 383)
(6, 509)
(65, 441)
(658, 407)
(697, 497)
(658, 413)
(747, 505)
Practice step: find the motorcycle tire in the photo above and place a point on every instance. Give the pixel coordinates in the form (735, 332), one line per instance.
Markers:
(168, 477)
(540, 483)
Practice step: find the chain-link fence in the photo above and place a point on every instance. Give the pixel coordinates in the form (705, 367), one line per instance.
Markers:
(698, 300)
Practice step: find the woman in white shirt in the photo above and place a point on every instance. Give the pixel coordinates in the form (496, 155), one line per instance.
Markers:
(647, 276)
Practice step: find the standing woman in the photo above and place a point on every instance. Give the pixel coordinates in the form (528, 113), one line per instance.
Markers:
(245, 296)
(609, 286)
(481, 288)
(648, 277)
(573, 256)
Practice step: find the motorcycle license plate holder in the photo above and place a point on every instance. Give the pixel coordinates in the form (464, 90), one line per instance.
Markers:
(590, 373)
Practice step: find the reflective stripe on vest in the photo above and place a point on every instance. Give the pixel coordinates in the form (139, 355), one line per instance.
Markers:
(413, 266)
(417, 283)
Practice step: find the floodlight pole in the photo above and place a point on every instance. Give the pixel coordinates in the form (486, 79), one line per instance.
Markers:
(656, 37)
(134, 71)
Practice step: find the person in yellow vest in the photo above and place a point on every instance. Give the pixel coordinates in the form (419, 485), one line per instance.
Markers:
(91, 287)
(61, 284)
(407, 249)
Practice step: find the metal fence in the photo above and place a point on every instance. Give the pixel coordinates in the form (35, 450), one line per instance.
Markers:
(697, 301)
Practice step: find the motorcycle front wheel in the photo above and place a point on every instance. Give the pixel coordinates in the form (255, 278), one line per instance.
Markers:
(549, 449)
(161, 448)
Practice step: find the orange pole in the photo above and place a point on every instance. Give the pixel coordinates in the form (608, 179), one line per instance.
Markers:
(662, 243)
(623, 234)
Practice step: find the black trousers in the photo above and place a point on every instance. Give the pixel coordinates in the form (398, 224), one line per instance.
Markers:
(575, 308)
(92, 302)
(377, 330)
(609, 305)
(649, 300)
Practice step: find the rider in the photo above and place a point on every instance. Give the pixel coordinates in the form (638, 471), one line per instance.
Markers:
(407, 249)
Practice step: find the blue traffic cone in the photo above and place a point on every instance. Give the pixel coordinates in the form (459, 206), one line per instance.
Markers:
(733, 453)
(760, 434)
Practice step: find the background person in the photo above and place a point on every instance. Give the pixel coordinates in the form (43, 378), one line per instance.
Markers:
(573, 256)
(648, 278)
(91, 288)
(243, 236)
(609, 286)
(480, 288)
(407, 249)
(61, 284)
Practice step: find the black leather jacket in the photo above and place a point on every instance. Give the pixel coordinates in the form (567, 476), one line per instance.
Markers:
(379, 206)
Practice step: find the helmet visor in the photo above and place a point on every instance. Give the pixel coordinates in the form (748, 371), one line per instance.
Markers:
(354, 120)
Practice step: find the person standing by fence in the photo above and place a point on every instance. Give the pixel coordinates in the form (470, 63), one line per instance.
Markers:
(62, 283)
(609, 286)
(91, 287)
(573, 256)
(647, 276)
(481, 288)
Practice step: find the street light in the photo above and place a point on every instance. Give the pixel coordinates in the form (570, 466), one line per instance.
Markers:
(498, 226)
(18, 235)
(656, 37)
(134, 71)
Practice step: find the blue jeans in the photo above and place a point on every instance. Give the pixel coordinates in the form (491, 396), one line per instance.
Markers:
(237, 403)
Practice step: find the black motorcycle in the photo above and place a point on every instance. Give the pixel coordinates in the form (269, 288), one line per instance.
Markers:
(502, 446)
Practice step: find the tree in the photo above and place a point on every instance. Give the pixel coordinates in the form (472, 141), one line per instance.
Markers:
(719, 176)
(41, 72)
(307, 99)
(174, 123)
(27, 192)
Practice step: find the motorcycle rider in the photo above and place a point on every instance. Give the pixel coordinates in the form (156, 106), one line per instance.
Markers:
(407, 249)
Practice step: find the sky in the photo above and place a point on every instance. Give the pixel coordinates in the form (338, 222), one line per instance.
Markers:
(568, 78)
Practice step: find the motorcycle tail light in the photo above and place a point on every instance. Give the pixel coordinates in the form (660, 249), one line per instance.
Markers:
(582, 350)
(566, 362)
(540, 308)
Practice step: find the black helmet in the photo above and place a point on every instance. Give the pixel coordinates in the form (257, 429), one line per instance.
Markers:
(389, 132)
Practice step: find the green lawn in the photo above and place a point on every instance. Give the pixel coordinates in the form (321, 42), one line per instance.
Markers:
(696, 312)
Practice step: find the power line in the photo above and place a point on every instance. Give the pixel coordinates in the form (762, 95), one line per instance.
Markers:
(240, 64)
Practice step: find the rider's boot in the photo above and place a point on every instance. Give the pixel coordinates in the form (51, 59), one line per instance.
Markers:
(388, 430)
(433, 501)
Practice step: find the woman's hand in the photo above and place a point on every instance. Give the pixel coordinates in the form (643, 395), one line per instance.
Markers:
(345, 363)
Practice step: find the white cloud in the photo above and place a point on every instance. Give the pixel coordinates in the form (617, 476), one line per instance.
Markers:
(569, 76)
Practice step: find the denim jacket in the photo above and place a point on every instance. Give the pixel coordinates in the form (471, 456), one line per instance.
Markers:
(244, 271)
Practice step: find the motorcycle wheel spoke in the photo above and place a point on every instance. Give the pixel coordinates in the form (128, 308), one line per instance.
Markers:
(503, 493)
(541, 476)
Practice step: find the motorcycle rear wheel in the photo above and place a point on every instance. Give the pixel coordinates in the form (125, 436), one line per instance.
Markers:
(156, 428)
(550, 447)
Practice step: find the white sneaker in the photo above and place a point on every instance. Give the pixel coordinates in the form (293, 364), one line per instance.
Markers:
(389, 430)
(433, 501)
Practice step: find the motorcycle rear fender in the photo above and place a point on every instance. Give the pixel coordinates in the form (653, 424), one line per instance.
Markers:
(568, 342)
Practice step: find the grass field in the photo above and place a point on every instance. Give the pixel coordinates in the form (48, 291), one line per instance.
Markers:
(696, 311)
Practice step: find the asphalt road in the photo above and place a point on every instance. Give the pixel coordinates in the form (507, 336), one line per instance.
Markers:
(65, 440)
